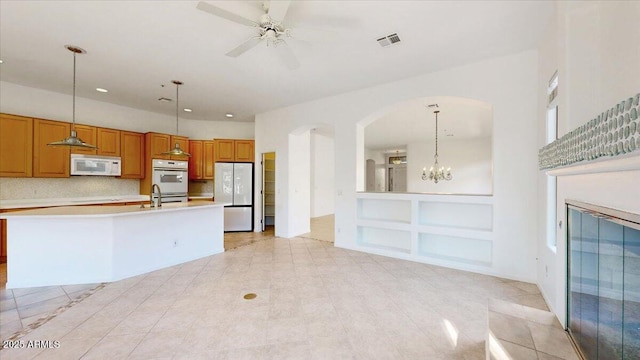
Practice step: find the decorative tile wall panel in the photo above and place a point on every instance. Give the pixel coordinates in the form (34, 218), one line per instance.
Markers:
(614, 132)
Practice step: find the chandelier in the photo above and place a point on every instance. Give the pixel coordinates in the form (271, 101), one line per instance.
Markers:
(397, 160)
(436, 172)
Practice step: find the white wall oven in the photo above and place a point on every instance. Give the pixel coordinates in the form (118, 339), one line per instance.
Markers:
(173, 179)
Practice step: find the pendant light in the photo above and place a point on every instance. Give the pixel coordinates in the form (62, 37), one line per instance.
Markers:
(397, 160)
(73, 140)
(177, 151)
(437, 172)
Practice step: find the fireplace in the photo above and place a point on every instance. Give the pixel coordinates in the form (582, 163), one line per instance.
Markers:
(603, 281)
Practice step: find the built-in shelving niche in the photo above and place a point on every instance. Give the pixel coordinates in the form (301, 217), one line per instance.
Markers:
(458, 249)
(385, 239)
(454, 231)
(385, 210)
(467, 216)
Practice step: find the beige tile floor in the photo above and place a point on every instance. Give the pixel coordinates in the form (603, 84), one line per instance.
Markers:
(20, 308)
(525, 333)
(322, 228)
(313, 301)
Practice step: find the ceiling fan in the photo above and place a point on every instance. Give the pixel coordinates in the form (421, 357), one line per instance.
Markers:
(269, 26)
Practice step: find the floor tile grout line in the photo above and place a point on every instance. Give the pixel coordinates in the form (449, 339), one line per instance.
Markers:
(46, 318)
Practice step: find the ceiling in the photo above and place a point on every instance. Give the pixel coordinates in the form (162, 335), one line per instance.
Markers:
(135, 47)
(413, 121)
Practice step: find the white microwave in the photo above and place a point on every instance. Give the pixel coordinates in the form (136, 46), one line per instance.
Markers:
(95, 165)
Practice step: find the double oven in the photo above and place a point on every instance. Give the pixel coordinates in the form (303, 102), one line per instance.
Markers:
(172, 176)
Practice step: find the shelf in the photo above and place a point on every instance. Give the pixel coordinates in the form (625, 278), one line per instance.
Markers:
(269, 204)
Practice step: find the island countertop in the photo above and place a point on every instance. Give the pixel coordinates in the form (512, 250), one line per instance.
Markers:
(91, 244)
(106, 210)
(50, 202)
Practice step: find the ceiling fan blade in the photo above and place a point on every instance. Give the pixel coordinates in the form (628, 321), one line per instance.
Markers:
(278, 9)
(287, 55)
(214, 10)
(247, 45)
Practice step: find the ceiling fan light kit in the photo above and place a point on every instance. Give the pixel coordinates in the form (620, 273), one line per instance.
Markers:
(269, 26)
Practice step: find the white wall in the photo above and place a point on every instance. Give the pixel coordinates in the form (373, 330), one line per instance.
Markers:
(299, 191)
(469, 159)
(322, 175)
(380, 170)
(594, 46)
(507, 83)
(21, 100)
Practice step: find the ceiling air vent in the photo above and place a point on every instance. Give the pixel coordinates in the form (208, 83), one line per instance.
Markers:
(164, 99)
(389, 40)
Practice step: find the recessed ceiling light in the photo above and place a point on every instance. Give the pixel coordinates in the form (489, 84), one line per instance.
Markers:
(102, 90)
(1, 61)
(229, 115)
(188, 110)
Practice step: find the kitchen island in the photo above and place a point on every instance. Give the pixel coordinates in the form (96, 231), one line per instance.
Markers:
(91, 244)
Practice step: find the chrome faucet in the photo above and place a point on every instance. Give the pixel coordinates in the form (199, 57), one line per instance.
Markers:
(153, 187)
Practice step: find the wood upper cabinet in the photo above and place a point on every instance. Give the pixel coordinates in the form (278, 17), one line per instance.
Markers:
(208, 154)
(16, 146)
(224, 150)
(244, 150)
(87, 134)
(201, 161)
(156, 144)
(50, 161)
(195, 163)
(108, 142)
(184, 145)
(234, 150)
(132, 153)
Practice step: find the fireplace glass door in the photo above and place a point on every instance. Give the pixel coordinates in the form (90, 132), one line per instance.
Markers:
(603, 267)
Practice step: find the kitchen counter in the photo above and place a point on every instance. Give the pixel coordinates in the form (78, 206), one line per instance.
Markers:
(105, 211)
(91, 244)
(201, 196)
(38, 203)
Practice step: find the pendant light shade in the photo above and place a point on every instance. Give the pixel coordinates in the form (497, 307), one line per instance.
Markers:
(177, 151)
(73, 139)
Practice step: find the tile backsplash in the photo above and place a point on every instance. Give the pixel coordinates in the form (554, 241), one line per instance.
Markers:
(200, 187)
(75, 186)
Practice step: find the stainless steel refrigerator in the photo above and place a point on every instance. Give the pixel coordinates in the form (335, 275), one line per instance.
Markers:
(234, 185)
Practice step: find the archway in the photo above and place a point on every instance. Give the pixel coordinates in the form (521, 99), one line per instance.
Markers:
(312, 162)
(398, 143)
